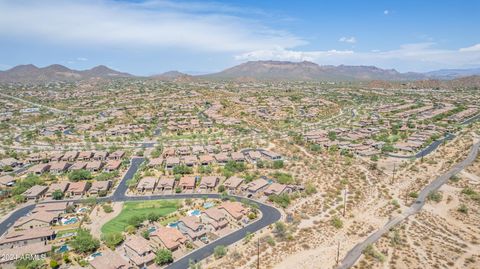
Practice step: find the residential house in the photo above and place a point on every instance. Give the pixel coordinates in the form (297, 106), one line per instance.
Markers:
(146, 184)
(222, 158)
(238, 157)
(183, 151)
(166, 184)
(255, 186)
(191, 227)
(187, 183)
(112, 165)
(226, 147)
(234, 211)
(172, 162)
(9, 256)
(155, 162)
(232, 183)
(253, 156)
(77, 188)
(169, 238)
(39, 169)
(94, 166)
(61, 186)
(277, 189)
(109, 260)
(116, 155)
(57, 208)
(206, 159)
(196, 150)
(100, 156)
(99, 187)
(11, 162)
(7, 181)
(138, 251)
(26, 237)
(70, 156)
(35, 192)
(36, 220)
(208, 183)
(85, 156)
(59, 167)
(190, 160)
(214, 219)
(271, 155)
(78, 166)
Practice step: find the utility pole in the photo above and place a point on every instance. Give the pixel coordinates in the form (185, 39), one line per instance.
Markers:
(258, 253)
(338, 253)
(394, 170)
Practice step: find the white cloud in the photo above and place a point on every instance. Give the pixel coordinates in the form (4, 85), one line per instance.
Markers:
(386, 12)
(409, 57)
(199, 26)
(82, 59)
(475, 47)
(290, 55)
(351, 40)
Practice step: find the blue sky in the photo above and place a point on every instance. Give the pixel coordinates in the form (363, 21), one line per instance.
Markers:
(154, 36)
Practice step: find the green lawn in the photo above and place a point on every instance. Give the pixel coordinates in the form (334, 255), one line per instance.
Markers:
(140, 209)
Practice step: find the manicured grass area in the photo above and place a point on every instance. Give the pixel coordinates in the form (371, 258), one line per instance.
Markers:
(140, 209)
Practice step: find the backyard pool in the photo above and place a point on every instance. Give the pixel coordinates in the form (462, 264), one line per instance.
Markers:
(82, 209)
(94, 255)
(67, 221)
(208, 205)
(63, 249)
(194, 212)
(173, 224)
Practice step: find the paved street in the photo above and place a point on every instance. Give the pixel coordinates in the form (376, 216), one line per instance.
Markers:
(353, 255)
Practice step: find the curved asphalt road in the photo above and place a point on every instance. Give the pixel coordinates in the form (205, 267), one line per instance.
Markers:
(270, 215)
(353, 255)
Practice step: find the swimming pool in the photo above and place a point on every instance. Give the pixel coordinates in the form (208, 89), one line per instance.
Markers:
(152, 229)
(70, 221)
(63, 249)
(81, 210)
(194, 212)
(173, 224)
(96, 254)
(208, 205)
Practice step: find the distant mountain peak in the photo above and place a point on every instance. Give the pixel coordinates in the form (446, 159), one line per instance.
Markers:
(31, 74)
(306, 70)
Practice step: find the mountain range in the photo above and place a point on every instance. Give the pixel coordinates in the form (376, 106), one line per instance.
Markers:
(252, 70)
(32, 74)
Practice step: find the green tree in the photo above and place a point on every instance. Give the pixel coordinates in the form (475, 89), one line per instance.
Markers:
(152, 217)
(57, 195)
(78, 175)
(278, 164)
(219, 251)
(163, 256)
(112, 239)
(280, 229)
(84, 242)
(336, 222)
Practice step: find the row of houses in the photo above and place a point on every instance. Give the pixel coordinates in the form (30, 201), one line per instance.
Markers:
(71, 189)
(71, 156)
(221, 158)
(233, 184)
(58, 167)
